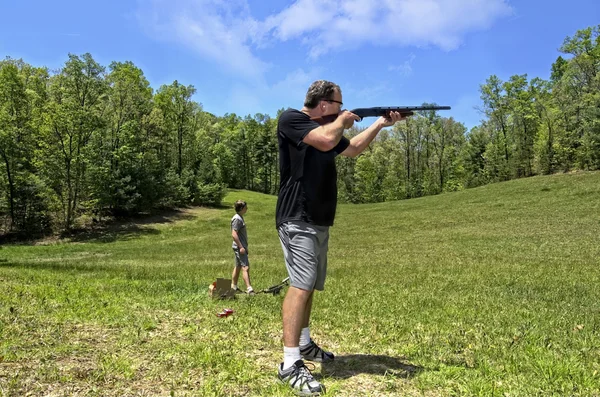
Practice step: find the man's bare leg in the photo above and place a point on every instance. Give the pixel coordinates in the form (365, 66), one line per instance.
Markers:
(295, 310)
(296, 306)
(311, 350)
(308, 310)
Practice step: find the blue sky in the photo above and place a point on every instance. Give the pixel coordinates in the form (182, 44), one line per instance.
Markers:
(251, 56)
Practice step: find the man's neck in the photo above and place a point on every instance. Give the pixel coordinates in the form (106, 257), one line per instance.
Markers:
(312, 113)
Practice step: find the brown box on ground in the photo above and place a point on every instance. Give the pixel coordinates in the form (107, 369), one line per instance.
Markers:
(222, 289)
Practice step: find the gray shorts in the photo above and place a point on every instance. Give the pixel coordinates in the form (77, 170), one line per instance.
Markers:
(305, 252)
(241, 260)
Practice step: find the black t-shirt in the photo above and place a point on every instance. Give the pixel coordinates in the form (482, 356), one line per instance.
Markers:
(308, 187)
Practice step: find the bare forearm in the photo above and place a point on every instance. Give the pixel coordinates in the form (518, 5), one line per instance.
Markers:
(362, 140)
(327, 136)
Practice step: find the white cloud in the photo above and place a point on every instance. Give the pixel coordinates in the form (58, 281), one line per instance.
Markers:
(296, 83)
(343, 24)
(222, 31)
(405, 69)
(248, 98)
(302, 17)
(366, 93)
(226, 32)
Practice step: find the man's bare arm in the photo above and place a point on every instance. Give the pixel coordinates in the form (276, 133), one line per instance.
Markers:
(360, 142)
(327, 136)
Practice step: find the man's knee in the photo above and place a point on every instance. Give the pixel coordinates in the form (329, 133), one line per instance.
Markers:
(299, 293)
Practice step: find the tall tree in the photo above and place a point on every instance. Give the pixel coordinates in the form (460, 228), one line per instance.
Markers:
(175, 102)
(22, 99)
(576, 91)
(118, 172)
(473, 155)
(523, 124)
(495, 108)
(74, 115)
(547, 115)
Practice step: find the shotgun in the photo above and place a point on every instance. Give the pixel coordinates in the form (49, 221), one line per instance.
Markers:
(381, 111)
(385, 110)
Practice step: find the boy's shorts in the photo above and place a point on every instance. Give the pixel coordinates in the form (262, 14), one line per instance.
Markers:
(305, 252)
(241, 260)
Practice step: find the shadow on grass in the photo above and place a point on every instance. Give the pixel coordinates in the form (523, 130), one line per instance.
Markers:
(58, 266)
(344, 367)
(76, 265)
(125, 229)
(122, 232)
(107, 231)
(220, 207)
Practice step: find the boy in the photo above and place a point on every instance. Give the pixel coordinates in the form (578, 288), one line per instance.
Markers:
(240, 247)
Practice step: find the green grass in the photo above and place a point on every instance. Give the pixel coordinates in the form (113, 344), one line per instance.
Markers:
(486, 292)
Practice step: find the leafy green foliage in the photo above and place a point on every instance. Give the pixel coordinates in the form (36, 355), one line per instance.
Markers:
(89, 141)
(209, 194)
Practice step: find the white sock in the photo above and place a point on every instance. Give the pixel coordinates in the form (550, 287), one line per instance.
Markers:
(233, 286)
(305, 336)
(290, 356)
(250, 289)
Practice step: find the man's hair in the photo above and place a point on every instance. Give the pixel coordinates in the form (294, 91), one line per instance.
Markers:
(318, 91)
(239, 205)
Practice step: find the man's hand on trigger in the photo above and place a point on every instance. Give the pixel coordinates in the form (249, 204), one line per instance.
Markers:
(348, 118)
(391, 119)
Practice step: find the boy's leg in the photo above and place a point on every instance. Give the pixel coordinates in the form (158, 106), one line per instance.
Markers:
(235, 276)
(246, 277)
(245, 265)
(236, 269)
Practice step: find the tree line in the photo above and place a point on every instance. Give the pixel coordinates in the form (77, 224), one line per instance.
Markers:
(530, 127)
(88, 141)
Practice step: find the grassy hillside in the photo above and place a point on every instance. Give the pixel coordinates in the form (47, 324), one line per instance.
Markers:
(490, 291)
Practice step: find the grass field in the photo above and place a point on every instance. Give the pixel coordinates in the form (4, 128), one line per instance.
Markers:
(493, 291)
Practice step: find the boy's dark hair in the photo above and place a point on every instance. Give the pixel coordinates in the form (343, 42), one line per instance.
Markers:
(318, 91)
(239, 205)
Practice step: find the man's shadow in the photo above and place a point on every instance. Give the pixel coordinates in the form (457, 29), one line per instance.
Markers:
(344, 367)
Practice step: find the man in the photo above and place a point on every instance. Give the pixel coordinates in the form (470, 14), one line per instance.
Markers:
(306, 205)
